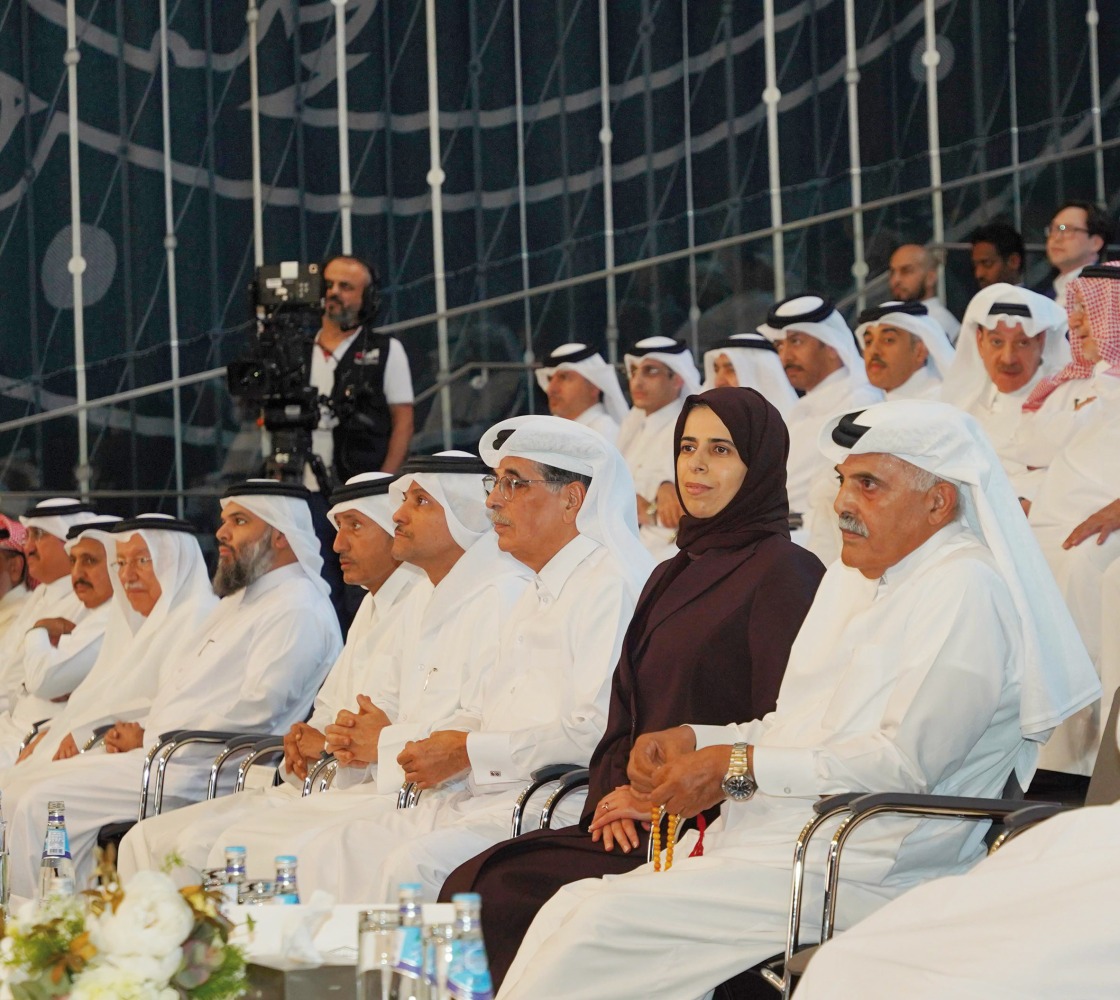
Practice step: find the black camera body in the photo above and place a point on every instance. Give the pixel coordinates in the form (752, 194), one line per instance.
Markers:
(275, 373)
(275, 376)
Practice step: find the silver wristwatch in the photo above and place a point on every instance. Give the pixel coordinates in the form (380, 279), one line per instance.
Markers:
(739, 784)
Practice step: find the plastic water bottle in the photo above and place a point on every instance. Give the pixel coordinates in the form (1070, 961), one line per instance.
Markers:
(469, 975)
(408, 957)
(439, 935)
(3, 866)
(285, 890)
(235, 876)
(377, 935)
(56, 869)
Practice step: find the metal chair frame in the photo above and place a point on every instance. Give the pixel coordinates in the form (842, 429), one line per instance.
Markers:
(323, 772)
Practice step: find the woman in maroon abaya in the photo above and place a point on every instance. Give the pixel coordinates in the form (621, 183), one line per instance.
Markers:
(708, 643)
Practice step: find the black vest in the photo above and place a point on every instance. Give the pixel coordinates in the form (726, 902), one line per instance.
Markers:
(361, 438)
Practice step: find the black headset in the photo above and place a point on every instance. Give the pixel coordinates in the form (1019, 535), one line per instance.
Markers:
(371, 294)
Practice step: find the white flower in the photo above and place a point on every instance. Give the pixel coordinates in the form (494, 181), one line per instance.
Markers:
(107, 982)
(152, 921)
(156, 970)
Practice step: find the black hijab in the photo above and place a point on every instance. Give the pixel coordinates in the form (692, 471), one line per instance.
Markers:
(760, 508)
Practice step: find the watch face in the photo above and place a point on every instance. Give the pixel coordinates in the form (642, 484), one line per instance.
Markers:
(739, 787)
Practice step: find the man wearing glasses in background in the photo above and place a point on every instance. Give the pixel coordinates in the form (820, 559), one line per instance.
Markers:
(1076, 237)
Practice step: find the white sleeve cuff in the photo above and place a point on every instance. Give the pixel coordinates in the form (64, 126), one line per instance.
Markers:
(786, 770)
(491, 761)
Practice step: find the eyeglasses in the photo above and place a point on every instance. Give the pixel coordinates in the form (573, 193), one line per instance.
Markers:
(137, 562)
(508, 485)
(1062, 229)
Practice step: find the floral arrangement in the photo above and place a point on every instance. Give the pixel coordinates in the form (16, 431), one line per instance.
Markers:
(152, 941)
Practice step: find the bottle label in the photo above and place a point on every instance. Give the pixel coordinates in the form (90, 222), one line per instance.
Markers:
(409, 957)
(469, 975)
(57, 845)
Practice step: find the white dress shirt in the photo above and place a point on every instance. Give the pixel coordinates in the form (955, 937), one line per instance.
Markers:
(1000, 414)
(48, 600)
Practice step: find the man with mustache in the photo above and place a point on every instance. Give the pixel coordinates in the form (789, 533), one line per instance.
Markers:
(529, 692)
(48, 562)
(161, 593)
(935, 658)
(905, 352)
(1011, 339)
(822, 362)
(439, 594)
(254, 664)
(59, 653)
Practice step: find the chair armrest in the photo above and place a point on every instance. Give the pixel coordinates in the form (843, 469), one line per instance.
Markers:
(242, 743)
(540, 777)
(171, 743)
(323, 771)
(1024, 819)
(97, 738)
(268, 746)
(579, 778)
(323, 774)
(903, 804)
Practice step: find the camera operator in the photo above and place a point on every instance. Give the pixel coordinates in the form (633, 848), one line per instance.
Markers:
(364, 373)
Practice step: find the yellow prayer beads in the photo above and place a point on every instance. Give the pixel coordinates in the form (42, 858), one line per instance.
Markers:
(670, 836)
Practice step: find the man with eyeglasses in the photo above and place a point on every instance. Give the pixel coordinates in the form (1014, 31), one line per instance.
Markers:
(59, 653)
(161, 593)
(16, 583)
(662, 373)
(533, 692)
(1076, 237)
(397, 678)
(254, 664)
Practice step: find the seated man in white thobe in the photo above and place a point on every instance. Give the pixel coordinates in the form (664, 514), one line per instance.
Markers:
(821, 359)
(662, 373)
(253, 665)
(1011, 339)
(581, 386)
(1035, 919)
(559, 501)
(161, 593)
(401, 674)
(751, 361)
(48, 562)
(16, 583)
(905, 352)
(935, 656)
(59, 654)
(1080, 483)
(913, 278)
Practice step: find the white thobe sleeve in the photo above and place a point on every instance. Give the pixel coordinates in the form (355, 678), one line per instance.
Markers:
(571, 737)
(54, 671)
(944, 696)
